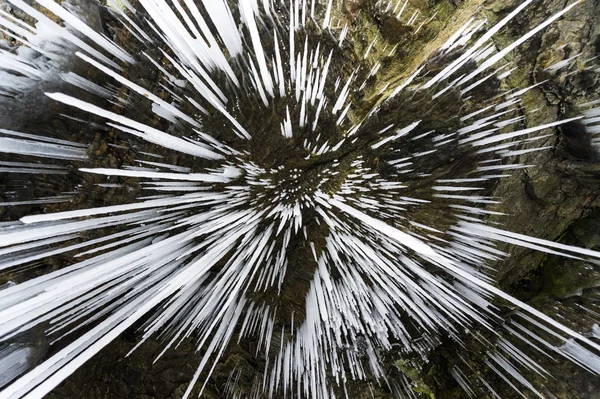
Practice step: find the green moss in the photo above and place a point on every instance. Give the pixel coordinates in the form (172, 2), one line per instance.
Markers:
(414, 374)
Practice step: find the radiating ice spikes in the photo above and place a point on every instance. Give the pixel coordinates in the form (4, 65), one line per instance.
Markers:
(264, 180)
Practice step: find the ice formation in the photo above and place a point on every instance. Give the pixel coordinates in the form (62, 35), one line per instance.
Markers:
(250, 154)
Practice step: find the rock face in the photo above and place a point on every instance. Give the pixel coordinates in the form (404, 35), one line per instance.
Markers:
(112, 375)
(557, 199)
(562, 184)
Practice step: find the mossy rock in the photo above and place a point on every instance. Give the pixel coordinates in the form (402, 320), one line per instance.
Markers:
(394, 31)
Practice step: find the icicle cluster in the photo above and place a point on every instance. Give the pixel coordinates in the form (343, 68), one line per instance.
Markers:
(255, 170)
